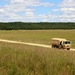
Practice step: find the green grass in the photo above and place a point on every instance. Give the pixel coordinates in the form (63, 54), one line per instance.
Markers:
(38, 36)
(16, 59)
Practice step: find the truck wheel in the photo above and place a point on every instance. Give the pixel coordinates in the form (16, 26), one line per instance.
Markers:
(68, 48)
(59, 47)
(52, 46)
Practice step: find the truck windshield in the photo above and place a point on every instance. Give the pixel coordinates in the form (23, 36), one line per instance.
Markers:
(67, 42)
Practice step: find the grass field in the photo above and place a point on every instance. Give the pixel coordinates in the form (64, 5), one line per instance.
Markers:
(17, 59)
(38, 36)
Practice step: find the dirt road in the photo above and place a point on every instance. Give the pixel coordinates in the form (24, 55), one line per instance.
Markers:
(32, 44)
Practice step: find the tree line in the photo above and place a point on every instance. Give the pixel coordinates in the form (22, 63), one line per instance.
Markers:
(35, 26)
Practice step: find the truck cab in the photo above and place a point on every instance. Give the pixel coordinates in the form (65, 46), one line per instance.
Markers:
(66, 45)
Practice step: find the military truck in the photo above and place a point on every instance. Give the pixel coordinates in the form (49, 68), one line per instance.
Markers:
(61, 43)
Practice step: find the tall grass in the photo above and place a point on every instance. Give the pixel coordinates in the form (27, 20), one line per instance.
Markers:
(16, 59)
(38, 36)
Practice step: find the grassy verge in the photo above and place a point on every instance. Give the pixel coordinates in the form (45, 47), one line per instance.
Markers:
(16, 59)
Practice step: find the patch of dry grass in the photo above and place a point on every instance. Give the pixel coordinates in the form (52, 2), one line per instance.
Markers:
(17, 59)
(38, 36)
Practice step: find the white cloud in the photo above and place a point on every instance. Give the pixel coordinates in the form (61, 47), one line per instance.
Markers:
(21, 10)
(17, 1)
(55, 10)
(1, 10)
(48, 17)
(67, 3)
(67, 11)
(18, 8)
(31, 2)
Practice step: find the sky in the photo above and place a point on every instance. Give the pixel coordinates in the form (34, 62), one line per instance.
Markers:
(37, 10)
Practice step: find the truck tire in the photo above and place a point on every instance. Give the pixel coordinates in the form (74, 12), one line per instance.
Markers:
(53, 46)
(68, 48)
(59, 47)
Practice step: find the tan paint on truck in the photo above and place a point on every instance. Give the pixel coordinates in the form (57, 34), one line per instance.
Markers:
(61, 43)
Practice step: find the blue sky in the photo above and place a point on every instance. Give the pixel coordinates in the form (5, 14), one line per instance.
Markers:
(37, 10)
